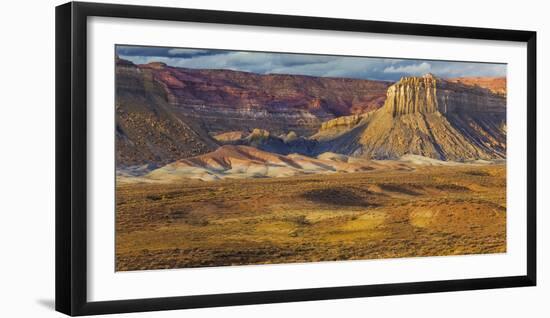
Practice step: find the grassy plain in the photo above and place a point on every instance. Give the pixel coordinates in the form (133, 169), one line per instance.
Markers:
(432, 211)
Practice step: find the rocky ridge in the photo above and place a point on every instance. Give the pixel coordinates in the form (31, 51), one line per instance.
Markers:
(225, 100)
(147, 130)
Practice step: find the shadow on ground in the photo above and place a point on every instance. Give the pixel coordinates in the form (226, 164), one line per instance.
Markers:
(48, 303)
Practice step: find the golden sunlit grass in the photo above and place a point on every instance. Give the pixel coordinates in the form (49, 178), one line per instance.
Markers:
(427, 212)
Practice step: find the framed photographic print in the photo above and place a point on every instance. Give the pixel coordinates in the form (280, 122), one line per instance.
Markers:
(208, 158)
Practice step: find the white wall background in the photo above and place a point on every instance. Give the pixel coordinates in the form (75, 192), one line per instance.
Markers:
(27, 159)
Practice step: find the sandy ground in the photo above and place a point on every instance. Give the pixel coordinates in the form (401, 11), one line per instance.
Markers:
(430, 211)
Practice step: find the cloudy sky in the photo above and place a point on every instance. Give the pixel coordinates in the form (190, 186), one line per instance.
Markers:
(304, 64)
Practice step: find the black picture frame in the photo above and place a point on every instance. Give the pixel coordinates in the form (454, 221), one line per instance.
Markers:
(71, 157)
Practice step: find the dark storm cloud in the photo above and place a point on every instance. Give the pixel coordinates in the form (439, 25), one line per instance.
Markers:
(304, 64)
(137, 51)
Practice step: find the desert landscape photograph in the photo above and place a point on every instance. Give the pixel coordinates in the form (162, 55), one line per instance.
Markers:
(230, 157)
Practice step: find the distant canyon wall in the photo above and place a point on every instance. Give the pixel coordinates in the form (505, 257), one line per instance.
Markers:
(427, 94)
(225, 100)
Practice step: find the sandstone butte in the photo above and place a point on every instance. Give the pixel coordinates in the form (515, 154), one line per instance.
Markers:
(164, 114)
(430, 117)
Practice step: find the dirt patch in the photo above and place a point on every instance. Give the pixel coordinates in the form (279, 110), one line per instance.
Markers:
(451, 187)
(338, 196)
(477, 173)
(401, 188)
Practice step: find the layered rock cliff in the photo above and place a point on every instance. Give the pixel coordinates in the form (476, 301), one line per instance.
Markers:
(427, 94)
(431, 117)
(412, 95)
(496, 85)
(147, 130)
(225, 100)
(166, 113)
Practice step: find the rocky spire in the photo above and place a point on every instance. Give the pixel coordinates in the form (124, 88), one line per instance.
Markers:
(412, 95)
